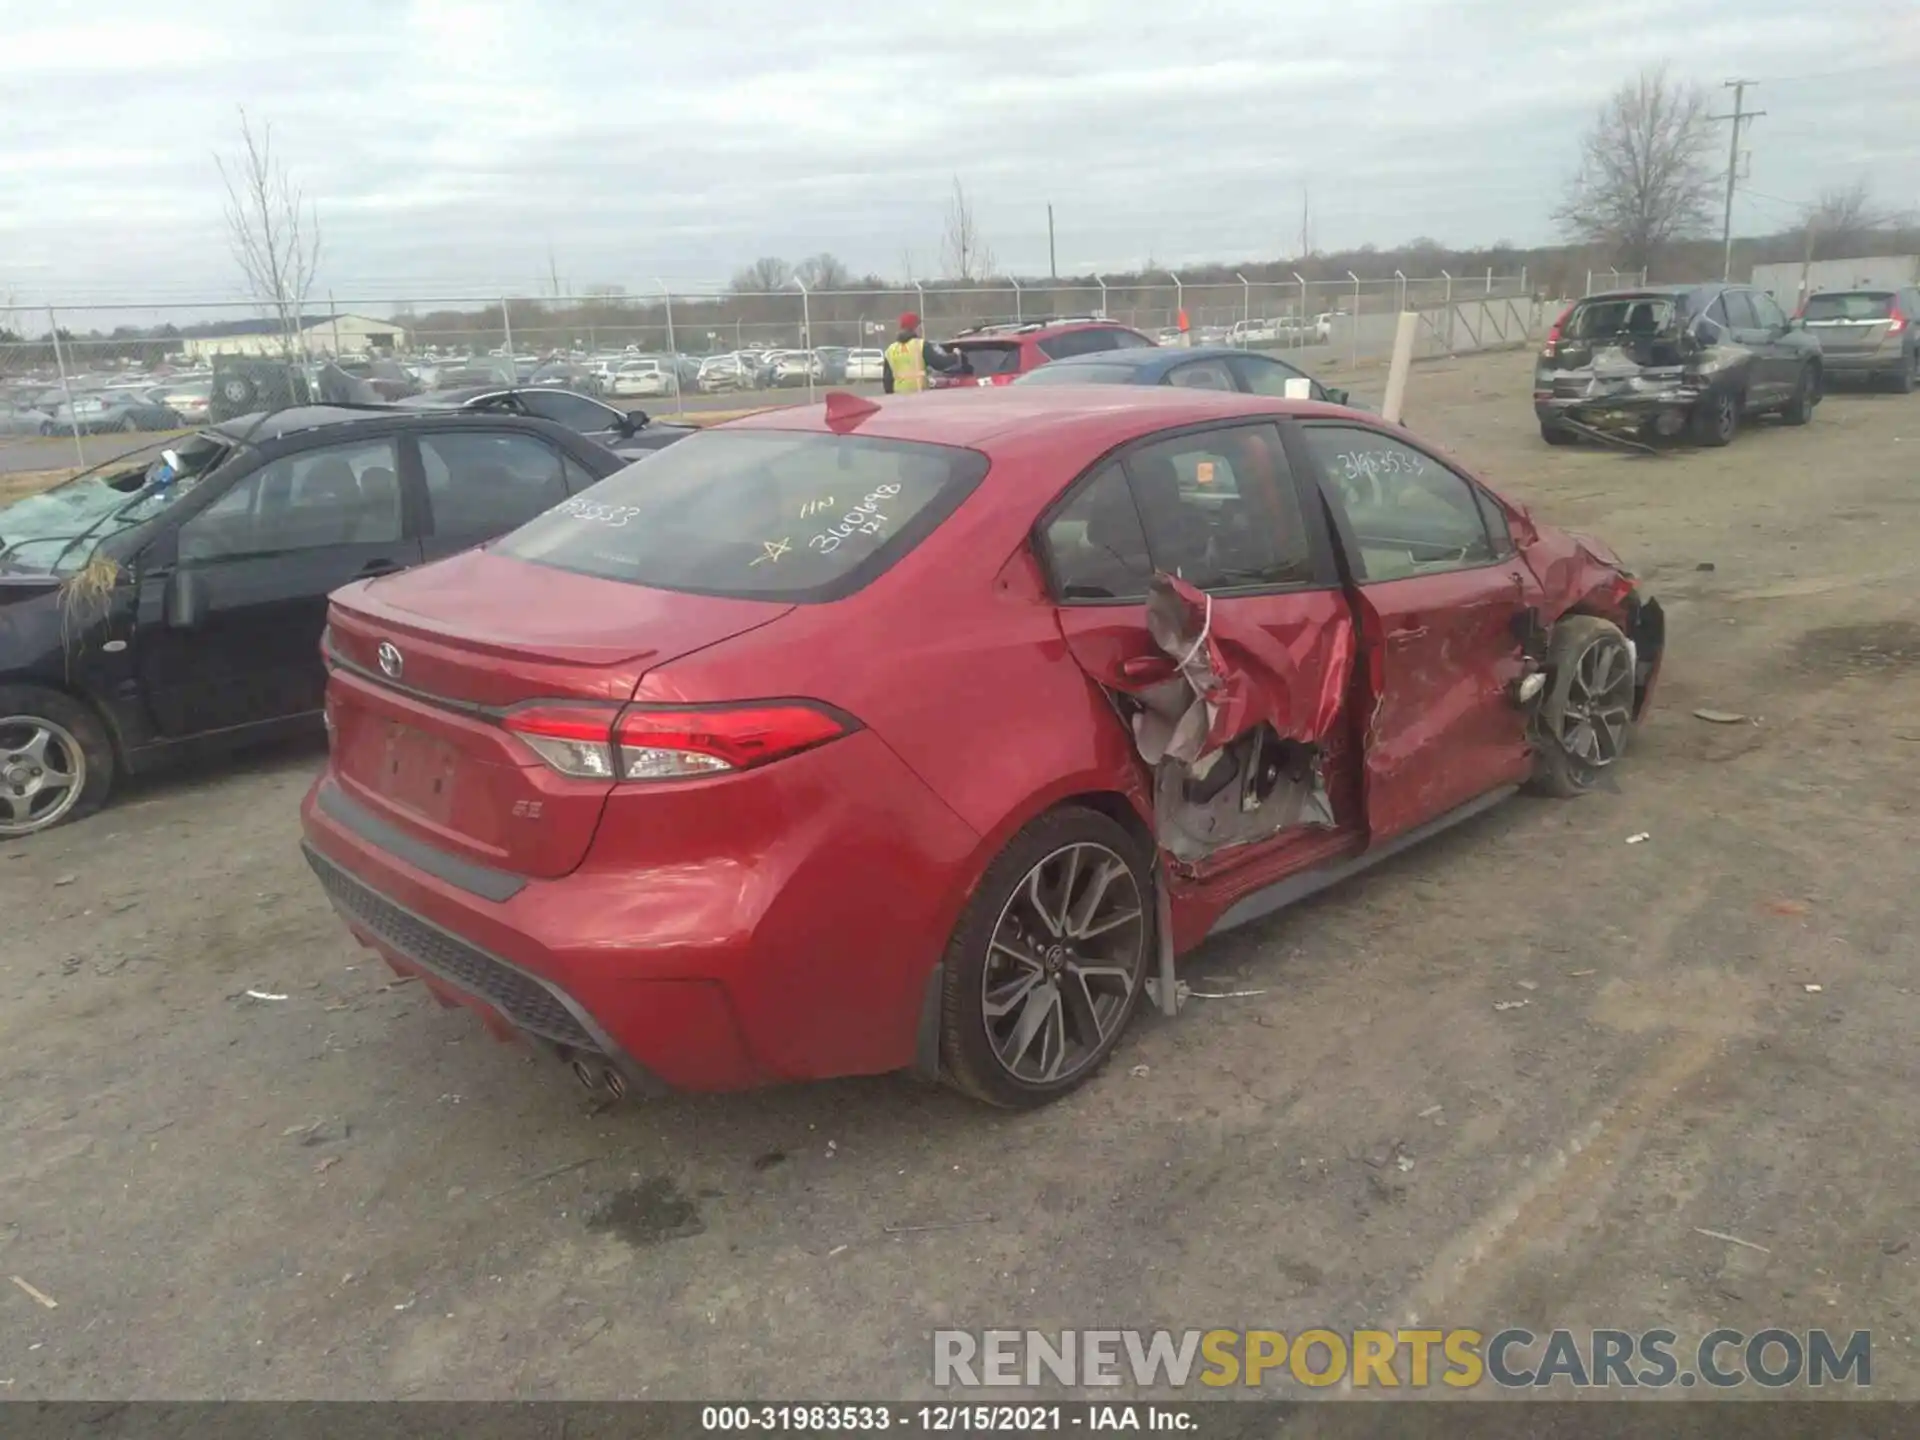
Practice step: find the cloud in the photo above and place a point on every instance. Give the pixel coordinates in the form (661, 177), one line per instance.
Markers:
(450, 145)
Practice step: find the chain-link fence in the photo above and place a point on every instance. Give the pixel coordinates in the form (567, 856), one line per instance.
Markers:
(137, 367)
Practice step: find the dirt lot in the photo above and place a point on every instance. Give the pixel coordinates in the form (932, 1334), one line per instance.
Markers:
(349, 1192)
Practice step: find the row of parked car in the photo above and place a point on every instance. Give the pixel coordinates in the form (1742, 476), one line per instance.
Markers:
(97, 407)
(1704, 360)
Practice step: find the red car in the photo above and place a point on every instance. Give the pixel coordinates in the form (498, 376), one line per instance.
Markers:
(1001, 354)
(921, 734)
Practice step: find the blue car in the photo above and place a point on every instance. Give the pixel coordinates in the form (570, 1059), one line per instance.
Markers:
(1208, 367)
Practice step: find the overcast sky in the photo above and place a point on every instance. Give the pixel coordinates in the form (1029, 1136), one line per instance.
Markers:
(449, 143)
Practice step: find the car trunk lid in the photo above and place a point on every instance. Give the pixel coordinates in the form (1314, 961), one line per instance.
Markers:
(427, 665)
(1854, 323)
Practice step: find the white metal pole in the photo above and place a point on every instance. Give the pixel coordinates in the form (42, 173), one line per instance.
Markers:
(1401, 276)
(506, 324)
(806, 332)
(1353, 323)
(1246, 299)
(1300, 329)
(333, 310)
(1103, 296)
(1017, 315)
(673, 350)
(60, 363)
(1179, 304)
(1489, 279)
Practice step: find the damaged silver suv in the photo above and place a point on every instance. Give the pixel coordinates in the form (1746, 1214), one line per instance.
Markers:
(1664, 360)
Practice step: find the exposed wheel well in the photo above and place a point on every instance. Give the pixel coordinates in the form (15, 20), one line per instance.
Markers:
(93, 708)
(1117, 808)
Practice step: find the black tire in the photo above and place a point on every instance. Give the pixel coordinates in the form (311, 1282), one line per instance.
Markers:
(62, 713)
(1558, 770)
(1716, 418)
(1556, 435)
(128, 425)
(48, 428)
(1806, 395)
(1908, 374)
(970, 1061)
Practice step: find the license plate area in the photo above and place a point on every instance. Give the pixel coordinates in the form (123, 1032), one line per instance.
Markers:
(418, 771)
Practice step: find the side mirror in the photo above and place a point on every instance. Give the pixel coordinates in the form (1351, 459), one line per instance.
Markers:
(1335, 395)
(186, 599)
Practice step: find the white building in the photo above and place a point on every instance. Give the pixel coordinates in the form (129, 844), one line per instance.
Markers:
(318, 335)
(1791, 282)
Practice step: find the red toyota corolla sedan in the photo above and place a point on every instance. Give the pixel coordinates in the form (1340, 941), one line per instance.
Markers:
(922, 734)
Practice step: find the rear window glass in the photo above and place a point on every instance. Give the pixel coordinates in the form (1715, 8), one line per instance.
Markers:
(991, 359)
(767, 515)
(1625, 315)
(1862, 306)
(1077, 375)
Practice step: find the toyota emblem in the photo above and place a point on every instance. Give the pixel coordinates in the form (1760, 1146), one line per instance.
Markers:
(391, 660)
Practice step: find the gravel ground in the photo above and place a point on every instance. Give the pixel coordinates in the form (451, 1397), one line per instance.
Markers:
(350, 1192)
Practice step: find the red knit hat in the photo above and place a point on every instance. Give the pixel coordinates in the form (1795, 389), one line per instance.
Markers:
(909, 321)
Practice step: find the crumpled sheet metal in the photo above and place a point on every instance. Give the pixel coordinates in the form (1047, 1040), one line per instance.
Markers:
(1229, 679)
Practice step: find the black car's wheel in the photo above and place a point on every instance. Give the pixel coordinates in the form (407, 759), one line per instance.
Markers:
(1048, 962)
(128, 425)
(1806, 395)
(241, 392)
(47, 427)
(1556, 434)
(1584, 719)
(1908, 374)
(1716, 418)
(55, 761)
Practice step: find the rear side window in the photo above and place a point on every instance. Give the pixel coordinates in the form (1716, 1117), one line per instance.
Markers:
(772, 515)
(991, 358)
(1088, 342)
(481, 483)
(1860, 305)
(1201, 375)
(1740, 310)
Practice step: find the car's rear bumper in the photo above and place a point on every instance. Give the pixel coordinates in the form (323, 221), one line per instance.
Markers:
(785, 936)
(1885, 360)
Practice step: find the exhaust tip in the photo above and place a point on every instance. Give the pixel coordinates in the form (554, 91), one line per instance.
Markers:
(583, 1072)
(615, 1082)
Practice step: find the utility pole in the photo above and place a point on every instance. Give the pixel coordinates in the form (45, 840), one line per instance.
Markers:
(1738, 117)
(1053, 265)
(1306, 228)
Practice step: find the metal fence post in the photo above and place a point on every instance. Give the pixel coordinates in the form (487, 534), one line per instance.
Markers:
(1017, 316)
(333, 311)
(1299, 330)
(1179, 303)
(1246, 299)
(806, 332)
(53, 333)
(673, 351)
(506, 324)
(1523, 279)
(1353, 325)
(1489, 279)
(1589, 289)
(1401, 276)
(921, 291)
(1103, 297)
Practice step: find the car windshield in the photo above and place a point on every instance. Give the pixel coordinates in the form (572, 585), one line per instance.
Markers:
(1860, 305)
(1620, 315)
(773, 515)
(991, 358)
(55, 532)
(1078, 375)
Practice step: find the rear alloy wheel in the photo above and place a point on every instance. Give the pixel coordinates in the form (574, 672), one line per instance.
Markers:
(1582, 727)
(1048, 963)
(1716, 418)
(55, 762)
(1806, 395)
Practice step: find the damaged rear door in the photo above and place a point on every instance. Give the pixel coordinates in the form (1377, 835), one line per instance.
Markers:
(1442, 598)
(1195, 592)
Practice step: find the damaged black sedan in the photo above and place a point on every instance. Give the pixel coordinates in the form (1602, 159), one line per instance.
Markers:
(1669, 360)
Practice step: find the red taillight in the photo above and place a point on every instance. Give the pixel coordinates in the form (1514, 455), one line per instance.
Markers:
(1552, 347)
(1896, 319)
(671, 742)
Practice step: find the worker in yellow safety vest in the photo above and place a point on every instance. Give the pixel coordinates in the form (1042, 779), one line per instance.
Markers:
(909, 357)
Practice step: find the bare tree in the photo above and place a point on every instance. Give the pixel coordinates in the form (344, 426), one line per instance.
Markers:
(824, 271)
(1844, 218)
(764, 276)
(1644, 178)
(963, 249)
(273, 232)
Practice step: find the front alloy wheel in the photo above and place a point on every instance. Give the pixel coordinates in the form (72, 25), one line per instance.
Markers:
(1049, 961)
(43, 773)
(1585, 718)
